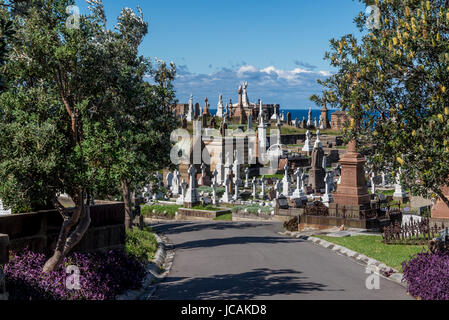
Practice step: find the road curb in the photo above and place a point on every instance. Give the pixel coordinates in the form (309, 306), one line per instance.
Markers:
(156, 270)
(384, 270)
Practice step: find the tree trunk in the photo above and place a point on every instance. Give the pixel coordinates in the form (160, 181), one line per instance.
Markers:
(128, 205)
(79, 220)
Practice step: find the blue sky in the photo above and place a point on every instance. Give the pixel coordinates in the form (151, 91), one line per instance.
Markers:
(277, 46)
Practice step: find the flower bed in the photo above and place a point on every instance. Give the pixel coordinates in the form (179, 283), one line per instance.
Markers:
(102, 276)
(427, 276)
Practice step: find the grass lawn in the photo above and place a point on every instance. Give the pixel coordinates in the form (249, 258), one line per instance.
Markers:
(141, 243)
(373, 247)
(224, 217)
(160, 210)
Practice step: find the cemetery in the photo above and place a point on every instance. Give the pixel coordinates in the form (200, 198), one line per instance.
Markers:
(102, 169)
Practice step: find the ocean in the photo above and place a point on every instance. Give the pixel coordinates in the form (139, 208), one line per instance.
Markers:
(297, 113)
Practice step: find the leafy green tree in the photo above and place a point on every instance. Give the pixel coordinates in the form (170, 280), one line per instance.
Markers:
(69, 112)
(394, 82)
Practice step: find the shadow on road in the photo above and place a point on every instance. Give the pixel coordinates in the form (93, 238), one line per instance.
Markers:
(181, 227)
(261, 283)
(207, 243)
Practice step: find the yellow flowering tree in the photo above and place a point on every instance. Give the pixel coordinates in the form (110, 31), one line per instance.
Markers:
(394, 82)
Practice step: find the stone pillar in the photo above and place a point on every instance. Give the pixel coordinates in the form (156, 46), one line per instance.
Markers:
(352, 189)
(325, 117)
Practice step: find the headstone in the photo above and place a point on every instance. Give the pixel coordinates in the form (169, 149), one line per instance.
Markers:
(254, 185)
(352, 189)
(300, 181)
(226, 196)
(169, 179)
(309, 119)
(289, 118)
(184, 123)
(191, 111)
(282, 202)
(197, 110)
(262, 192)
(220, 108)
(250, 122)
(308, 143)
(317, 173)
(286, 182)
(399, 193)
(373, 183)
(247, 178)
(201, 181)
(181, 199)
(214, 187)
(213, 123)
(327, 198)
(278, 188)
(303, 123)
(192, 198)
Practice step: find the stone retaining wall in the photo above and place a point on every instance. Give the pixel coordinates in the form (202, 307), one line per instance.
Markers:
(188, 214)
(39, 231)
(4, 258)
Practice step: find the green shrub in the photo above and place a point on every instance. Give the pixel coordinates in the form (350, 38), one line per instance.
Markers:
(141, 243)
(253, 209)
(168, 210)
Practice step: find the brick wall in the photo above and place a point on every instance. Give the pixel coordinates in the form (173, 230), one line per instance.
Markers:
(39, 231)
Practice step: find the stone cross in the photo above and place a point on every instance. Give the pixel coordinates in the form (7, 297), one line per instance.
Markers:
(181, 199)
(226, 198)
(203, 174)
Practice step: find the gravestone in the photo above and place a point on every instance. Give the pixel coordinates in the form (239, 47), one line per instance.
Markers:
(3, 210)
(289, 118)
(192, 198)
(184, 123)
(282, 202)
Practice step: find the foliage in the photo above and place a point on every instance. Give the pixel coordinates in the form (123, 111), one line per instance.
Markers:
(160, 210)
(373, 247)
(102, 276)
(427, 276)
(220, 190)
(142, 244)
(253, 209)
(394, 84)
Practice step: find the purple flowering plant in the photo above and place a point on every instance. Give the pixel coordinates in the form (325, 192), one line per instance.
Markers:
(102, 276)
(427, 275)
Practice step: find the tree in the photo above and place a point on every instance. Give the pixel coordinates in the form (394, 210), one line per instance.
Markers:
(393, 82)
(139, 141)
(58, 130)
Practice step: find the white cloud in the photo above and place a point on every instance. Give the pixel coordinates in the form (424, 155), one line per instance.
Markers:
(290, 88)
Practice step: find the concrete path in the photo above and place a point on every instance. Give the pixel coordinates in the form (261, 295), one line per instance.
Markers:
(221, 260)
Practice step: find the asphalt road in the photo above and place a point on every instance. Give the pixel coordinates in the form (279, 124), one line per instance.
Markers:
(220, 260)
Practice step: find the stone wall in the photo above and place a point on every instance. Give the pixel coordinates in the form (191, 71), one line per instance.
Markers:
(4, 257)
(39, 231)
